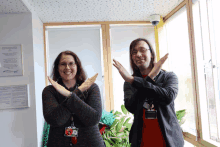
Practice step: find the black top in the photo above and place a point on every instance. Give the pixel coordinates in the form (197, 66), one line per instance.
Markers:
(163, 93)
(86, 109)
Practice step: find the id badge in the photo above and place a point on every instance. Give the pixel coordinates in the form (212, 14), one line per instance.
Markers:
(150, 114)
(71, 131)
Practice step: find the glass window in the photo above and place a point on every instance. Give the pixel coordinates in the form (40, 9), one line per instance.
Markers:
(85, 41)
(121, 37)
(207, 52)
(174, 39)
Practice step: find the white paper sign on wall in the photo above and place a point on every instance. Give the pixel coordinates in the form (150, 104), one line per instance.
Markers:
(11, 60)
(14, 96)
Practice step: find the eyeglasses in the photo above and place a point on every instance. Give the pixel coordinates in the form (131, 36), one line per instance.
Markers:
(71, 64)
(142, 50)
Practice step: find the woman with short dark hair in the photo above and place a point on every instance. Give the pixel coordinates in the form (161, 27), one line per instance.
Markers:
(72, 105)
(149, 94)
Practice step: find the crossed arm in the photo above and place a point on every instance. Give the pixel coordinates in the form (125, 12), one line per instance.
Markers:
(164, 94)
(58, 114)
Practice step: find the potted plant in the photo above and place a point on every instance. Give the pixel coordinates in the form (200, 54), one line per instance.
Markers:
(117, 128)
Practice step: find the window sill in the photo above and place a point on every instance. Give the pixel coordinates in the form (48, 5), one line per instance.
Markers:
(192, 139)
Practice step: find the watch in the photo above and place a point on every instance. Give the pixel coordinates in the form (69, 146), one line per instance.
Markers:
(69, 95)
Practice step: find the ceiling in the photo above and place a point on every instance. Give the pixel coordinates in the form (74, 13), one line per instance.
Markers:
(90, 10)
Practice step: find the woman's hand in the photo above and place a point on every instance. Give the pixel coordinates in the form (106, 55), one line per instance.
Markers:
(59, 88)
(157, 66)
(86, 85)
(125, 75)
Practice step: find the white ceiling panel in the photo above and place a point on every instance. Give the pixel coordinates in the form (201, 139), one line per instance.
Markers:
(12, 6)
(92, 10)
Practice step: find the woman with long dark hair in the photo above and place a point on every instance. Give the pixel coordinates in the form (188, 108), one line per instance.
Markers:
(149, 94)
(72, 105)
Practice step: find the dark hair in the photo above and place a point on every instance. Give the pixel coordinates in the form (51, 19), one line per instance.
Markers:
(80, 75)
(134, 68)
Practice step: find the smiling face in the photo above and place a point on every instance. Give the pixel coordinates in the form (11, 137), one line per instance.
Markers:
(67, 68)
(141, 55)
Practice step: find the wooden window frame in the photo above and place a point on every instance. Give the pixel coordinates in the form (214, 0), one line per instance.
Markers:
(195, 140)
(105, 25)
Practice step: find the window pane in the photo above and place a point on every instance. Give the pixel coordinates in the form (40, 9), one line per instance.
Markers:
(206, 58)
(214, 44)
(121, 37)
(86, 43)
(216, 11)
(174, 39)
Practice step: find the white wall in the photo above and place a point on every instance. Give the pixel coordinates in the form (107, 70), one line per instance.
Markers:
(18, 126)
(39, 70)
(27, 29)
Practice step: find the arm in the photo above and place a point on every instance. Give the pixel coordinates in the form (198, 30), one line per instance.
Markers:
(90, 112)
(165, 94)
(54, 113)
(130, 99)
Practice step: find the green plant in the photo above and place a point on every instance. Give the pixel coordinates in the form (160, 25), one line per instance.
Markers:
(180, 114)
(117, 134)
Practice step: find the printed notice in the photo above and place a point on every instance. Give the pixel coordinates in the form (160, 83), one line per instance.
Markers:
(15, 96)
(10, 60)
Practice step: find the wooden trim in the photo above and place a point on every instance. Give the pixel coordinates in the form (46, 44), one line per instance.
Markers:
(98, 23)
(156, 34)
(174, 10)
(157, 43)
(45, 55)
(192, 139)
(109, 67)
(206, 144)
(105, 60)
(194, 70)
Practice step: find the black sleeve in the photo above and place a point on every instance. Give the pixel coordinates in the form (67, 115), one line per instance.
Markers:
(164, 94)
(88, 112)
(130, 100)
(54, 113)
(57, 114)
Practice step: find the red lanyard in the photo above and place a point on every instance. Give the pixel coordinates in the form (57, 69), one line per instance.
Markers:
(74, 139)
